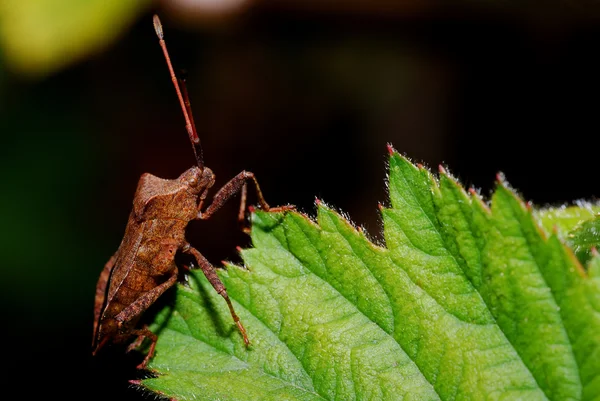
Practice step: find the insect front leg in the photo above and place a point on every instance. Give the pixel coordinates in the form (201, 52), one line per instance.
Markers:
(211, 274)
(231, 188)
(101, 291)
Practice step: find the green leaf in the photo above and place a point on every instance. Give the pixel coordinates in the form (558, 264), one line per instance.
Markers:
(584, 238)
(578, 225)
(39, 37)
(466, 300)
(565, 219)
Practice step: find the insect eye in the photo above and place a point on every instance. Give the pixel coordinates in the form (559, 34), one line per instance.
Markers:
(193, 181)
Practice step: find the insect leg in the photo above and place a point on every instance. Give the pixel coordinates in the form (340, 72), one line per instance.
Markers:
(231, 188)
(101, 292)
(242, 209)
(143, 302)
(144, 333)
(209, 271)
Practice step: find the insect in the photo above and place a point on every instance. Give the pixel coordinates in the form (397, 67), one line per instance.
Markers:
(144, 267)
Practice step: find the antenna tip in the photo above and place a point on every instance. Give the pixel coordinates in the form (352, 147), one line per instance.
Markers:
(158, 27)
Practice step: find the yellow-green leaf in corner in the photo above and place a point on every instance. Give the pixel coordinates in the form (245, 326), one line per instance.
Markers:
(39, 37)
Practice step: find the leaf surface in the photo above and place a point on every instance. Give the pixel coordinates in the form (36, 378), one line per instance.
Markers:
(466, 300)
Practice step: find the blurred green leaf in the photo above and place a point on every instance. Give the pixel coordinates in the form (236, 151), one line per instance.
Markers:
(578, 225)
(584, 238)
(42, 36)
(565, 219)
(466, 300)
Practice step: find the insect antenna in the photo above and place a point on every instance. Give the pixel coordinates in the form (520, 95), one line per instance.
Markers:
(188, 107)
(183, 98)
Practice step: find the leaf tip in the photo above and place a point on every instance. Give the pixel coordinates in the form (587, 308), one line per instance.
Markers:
(442, 170)
(500, 179)
(251, 209)
(390, 149)
(475, 192)
(318, 201)
(529, 206)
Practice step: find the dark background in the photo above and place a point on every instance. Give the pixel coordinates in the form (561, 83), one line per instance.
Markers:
(306, 97)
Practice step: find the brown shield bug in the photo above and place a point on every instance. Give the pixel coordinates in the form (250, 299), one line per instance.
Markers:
(144, 267)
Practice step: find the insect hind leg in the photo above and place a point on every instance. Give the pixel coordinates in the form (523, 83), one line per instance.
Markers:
(141, 335)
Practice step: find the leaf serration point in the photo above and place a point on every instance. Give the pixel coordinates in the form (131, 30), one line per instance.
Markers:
(529, 206)
(390, 149)
(500, 179)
